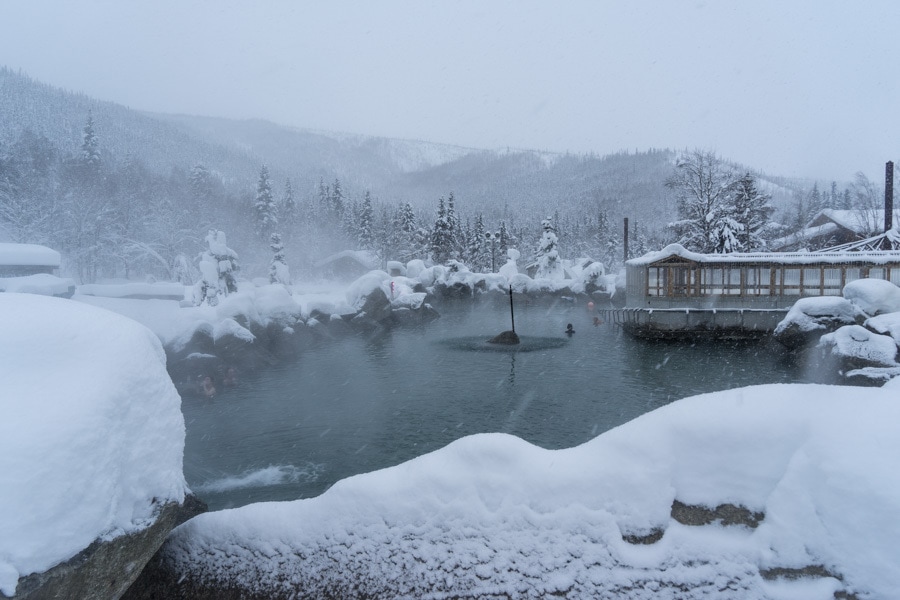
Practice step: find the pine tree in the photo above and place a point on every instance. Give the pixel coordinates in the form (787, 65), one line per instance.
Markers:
(454, 229)
(266, 211)
(365, 236)
(278, 269)
(90, 147)
(751, 209)
(506, 240)
(441, 237)
(725, 235)
(478, 251)
(408, 245)
(288, 210)
(336, 205)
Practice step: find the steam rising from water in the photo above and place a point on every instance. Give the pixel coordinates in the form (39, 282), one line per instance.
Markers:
(272, 475)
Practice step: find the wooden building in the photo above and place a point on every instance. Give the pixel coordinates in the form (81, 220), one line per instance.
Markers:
(677, 293)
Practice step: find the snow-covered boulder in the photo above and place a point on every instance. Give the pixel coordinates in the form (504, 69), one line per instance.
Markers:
(368, 295)
(873, 296)
(857, 347)
(91, 448)
(776, 491)
(809, 318)
(886, 324)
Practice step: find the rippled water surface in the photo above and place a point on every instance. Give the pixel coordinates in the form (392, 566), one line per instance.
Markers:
(364, 403)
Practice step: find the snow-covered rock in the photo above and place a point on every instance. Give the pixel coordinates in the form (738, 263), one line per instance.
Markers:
(809, 318)
(92, 435)
(809, 472)
(873, 296)
(858, 347)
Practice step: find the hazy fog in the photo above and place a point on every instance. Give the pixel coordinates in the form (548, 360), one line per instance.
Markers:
(800, 88)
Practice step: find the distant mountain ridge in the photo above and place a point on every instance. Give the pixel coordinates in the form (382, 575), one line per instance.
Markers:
(511, 185)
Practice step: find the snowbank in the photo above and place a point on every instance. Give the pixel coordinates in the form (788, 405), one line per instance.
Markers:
(41, 283)
(92, 435)
(492, 515)
(159, 290)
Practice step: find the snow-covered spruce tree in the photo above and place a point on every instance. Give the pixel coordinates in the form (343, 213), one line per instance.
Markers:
(278, 269)
(408, 244)
(218, 265)
(549, 264)
(725, 235)
(441, 237)
(752, 210)
(90, 147)
(265, 208)
(454, 228)
(506, 240)
(288, 211)
(702, 185)
(336, 204)
(478, 254)
(365, 237)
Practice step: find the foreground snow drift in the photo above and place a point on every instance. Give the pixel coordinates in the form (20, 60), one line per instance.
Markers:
(92, 436)
(490, 515)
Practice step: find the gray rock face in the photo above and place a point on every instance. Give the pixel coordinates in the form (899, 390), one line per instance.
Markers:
(106, 569)
(377, 306)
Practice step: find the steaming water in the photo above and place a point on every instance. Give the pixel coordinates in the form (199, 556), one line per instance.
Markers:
(359, 404)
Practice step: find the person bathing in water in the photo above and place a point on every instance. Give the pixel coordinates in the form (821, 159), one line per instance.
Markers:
(569, 329)
(207, 387)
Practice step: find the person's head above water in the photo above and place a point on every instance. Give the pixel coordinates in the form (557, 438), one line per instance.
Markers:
(569, 328)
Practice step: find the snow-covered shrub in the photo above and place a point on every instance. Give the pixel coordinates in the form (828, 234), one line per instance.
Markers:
(218, 265)
(549, 264)
(510, 269)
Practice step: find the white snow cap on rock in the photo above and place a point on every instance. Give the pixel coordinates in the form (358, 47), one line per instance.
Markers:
(493, 515)
(805, 310)
(91, 437)
(873, 296)
(855, 341)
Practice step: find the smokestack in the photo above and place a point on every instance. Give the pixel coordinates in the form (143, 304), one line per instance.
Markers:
(626, 239)
(888, 195)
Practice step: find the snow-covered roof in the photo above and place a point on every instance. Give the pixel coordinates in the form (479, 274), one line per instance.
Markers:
(861, 222)
(364, 258)
(807, 233)
(28, 255)
(800, 258)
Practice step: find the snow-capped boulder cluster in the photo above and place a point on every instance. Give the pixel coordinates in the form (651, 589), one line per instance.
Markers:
(859, 331)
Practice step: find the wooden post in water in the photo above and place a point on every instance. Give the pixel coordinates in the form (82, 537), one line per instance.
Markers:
(512, 315)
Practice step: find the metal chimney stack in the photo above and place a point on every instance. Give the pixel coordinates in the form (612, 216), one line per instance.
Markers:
(888, 195)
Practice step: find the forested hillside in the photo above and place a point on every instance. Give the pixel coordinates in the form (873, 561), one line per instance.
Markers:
(126, 193)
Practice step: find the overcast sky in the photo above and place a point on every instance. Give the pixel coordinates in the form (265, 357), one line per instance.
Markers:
(799, 88)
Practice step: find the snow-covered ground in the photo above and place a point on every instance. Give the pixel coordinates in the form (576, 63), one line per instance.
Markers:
(91, 434)
(493, 515)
